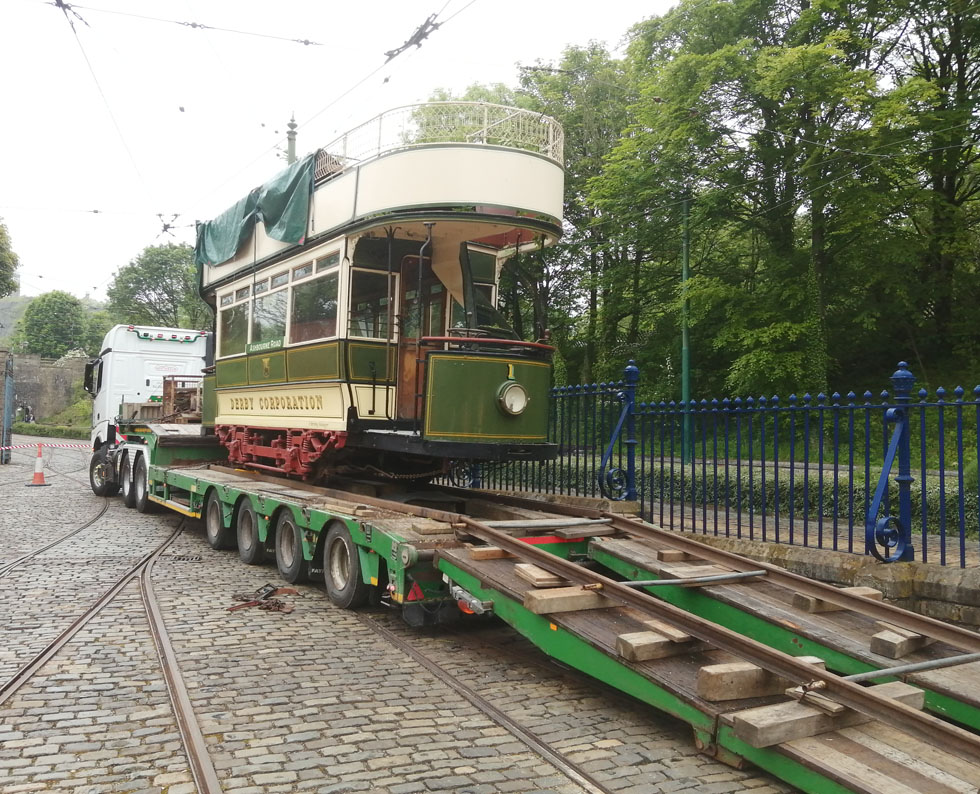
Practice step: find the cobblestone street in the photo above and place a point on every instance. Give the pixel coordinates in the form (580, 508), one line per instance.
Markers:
(314, 700)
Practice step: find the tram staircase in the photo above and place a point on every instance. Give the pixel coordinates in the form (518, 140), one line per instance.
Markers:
(668, 653)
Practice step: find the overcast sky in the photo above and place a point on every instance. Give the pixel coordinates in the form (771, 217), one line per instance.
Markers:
(134, 117)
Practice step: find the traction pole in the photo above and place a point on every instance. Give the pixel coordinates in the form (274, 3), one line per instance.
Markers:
(38, 470)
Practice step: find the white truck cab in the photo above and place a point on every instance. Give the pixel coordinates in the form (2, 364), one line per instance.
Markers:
(130, 371)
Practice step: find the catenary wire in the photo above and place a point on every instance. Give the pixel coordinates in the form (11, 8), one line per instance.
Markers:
(191, 25)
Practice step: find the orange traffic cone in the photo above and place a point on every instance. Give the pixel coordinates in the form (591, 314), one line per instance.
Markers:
(38, 470)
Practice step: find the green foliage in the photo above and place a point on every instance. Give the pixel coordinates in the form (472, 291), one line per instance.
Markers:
(12, 309)
(78, 414)
(50, 431)
(97, 325)
(159, 287)
(53, 324)
(829, 153)
(8, 263)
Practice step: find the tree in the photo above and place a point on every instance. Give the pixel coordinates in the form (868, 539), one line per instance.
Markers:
(53, 324)
(8, 263)
(97, 324)
(588, 94)
(159, 287)
(932, 115)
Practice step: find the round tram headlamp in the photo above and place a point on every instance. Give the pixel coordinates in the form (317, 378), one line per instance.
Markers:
(512, 398)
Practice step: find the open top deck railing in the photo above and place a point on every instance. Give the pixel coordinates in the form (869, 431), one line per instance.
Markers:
(442, 122)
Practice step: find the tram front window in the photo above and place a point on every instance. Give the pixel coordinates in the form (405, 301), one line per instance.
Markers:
(369, 295)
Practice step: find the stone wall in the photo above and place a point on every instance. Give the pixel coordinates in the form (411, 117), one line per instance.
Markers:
(45, 386)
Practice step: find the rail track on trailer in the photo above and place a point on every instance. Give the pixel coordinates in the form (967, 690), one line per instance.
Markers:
(829, 689)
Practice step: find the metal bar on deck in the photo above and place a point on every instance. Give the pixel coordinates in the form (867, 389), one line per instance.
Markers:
(714, 578)
(915, 667)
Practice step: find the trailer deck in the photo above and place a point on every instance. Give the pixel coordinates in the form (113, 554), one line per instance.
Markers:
(561, 575)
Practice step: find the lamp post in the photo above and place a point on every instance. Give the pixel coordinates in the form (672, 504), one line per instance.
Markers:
(687, 450)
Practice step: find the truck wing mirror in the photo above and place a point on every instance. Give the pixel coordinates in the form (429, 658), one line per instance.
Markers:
(89, 371)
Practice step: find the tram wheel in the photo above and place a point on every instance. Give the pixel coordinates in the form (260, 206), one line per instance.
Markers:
(289, 548)
(342, 569)
(218, 535)
(126, 481)
(100, 474)
(141, 487)
(250, 548)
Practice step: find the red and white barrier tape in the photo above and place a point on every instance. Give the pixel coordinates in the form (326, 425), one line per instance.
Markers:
(59, 446)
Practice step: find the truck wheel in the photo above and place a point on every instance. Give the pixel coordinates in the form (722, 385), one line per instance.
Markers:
(126, 482)
(289, 549)
(250, 548)
(218, 535)
(141, 487)
(342, 569)
(100, 474)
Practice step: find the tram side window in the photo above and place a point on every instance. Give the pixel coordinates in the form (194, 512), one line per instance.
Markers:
(369, 304)
(233, 326)
(269, 317)
(314, 312)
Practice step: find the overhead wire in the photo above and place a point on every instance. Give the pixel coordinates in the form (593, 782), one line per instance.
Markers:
(433, 18)
(190, 25)
(66, 8)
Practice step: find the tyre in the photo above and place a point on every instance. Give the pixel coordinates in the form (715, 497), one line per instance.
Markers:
(100, 474)
(250, 548)
(342, 569)
(141, 486)
(289, 549)
(218, 535)
(126, 482)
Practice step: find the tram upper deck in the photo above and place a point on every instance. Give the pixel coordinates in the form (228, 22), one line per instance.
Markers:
(486, 174)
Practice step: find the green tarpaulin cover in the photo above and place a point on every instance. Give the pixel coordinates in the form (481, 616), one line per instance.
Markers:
(282, 204)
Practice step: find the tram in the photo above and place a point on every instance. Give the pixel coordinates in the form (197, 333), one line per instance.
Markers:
(355, 298)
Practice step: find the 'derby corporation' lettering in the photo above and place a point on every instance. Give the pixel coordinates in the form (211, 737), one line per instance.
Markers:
(282, 402)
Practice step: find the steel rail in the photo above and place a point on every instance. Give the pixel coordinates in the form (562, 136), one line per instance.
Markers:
(25, 673)
(854, 696)
(198, 756)
(14, 563)
(955, 636)
(851, 695)
(570, 769)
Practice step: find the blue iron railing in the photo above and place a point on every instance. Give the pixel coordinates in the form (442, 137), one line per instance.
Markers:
(893, 474)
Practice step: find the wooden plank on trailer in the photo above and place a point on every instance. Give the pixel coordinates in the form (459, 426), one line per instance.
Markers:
(694, 571)
(893, 744)
(670, 632)
(564, 599)
(736, 680)
(594, 531)
(814, 698)
(896, 644)
(783, 722)
(674, 555)
(909, 634)
(487, 553)
(547, 523)
(813, 604)
(643, 646)
(862, 769)
(539, 577)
